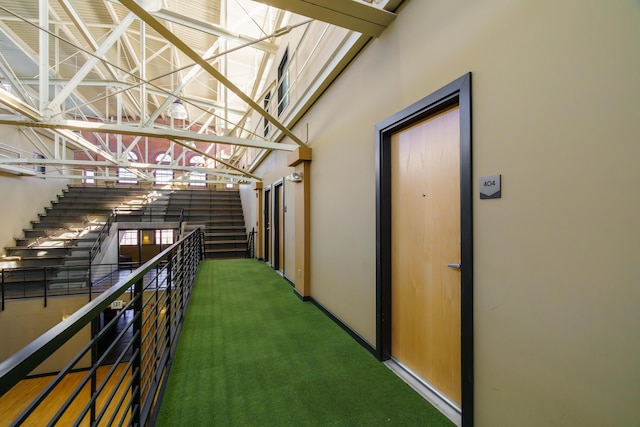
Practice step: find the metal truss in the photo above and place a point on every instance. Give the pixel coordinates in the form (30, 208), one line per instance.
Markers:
(90, 83)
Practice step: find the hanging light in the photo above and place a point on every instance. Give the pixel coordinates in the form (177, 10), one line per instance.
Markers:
(176, 110)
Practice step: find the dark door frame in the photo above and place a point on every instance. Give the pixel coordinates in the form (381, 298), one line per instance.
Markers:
(267, 225)
(455, 93)
(278, 200)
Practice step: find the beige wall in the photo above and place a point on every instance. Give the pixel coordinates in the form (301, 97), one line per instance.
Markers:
(22, 197)
(289, 229)
(274, 168)
(556, 103)
(24, 320)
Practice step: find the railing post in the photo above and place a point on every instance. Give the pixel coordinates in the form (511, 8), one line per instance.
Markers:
(3, 289)
(136, 365)
(201, 241)
(169, 313)
(44, 286)
(90, 282)
(94, 360)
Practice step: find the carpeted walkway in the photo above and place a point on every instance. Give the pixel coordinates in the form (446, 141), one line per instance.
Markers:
(252, 354)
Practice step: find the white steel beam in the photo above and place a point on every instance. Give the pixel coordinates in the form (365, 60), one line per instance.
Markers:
(151, 132)
(16, 165)
(93, 44)
(162, 30)
(355, 16)
(215, 30)
(18, 41)
(15, 82)
(19, 106)
(43, 56)
(90, 63)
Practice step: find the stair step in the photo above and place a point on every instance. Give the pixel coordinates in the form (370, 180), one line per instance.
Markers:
(37, 251)
(218, 213)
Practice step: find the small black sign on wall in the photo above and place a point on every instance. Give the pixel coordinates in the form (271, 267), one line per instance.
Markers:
(490, 187)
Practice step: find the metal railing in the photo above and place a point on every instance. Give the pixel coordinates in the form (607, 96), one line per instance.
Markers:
(104, 233)
(117, 376)
(251, 244)
(180, 221)
(53, 281)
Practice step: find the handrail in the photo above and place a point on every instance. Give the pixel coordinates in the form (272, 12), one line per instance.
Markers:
(41, 282)
(251, 244)
(104, 232)
(180, 222)
(161, 293)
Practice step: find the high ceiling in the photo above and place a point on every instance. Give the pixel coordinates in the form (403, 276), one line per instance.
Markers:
(100, 78)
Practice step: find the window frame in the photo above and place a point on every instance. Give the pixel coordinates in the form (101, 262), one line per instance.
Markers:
(283, 82)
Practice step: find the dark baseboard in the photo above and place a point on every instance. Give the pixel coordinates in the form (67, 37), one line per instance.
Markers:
(289, 281)
(344, 327)
(299, 295)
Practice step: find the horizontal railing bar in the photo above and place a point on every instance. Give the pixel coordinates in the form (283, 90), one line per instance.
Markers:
(60, 376)
(132, 397)
(115, 389)
(104, 383)
(75, 392)
(146, 407)
(20, 364)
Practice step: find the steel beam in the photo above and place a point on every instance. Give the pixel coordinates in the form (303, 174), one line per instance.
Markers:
(162, 30)
(151, 132)
(91, 62)
(355, 16)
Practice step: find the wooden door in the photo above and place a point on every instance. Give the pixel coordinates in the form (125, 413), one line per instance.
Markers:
(425, 238)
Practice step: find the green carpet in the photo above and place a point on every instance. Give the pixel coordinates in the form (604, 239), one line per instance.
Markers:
(252, 354)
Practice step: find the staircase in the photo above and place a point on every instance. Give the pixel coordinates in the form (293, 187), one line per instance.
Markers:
(56, 250)
(62, 237)
(219, 214)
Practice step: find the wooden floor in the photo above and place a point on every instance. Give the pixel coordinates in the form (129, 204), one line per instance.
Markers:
(18, 398)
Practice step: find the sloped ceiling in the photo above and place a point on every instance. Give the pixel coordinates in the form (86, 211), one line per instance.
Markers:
(113, 68)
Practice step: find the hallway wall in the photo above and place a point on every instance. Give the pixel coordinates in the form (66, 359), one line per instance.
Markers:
(556, 97)
(24, 320)
(22, 197)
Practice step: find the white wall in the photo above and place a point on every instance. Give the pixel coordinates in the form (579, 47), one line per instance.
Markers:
(22, 197)
(556, 103)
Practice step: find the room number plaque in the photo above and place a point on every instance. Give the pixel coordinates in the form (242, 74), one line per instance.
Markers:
(490, 187)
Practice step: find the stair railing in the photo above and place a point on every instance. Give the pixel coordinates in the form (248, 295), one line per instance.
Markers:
(251, 244)
(180, 221)
(104, 233)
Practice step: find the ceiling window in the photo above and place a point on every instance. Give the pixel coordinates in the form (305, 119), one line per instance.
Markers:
(39, 168)
(283, 82)
(197, 179)
(267, 98)
(163, 176)
(163, 158)
(125, 176)
(88, 177)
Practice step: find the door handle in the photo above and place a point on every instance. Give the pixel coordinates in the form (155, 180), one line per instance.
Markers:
(455, 265)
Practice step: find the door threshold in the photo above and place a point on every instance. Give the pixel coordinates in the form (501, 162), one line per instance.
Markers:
(445, 406)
